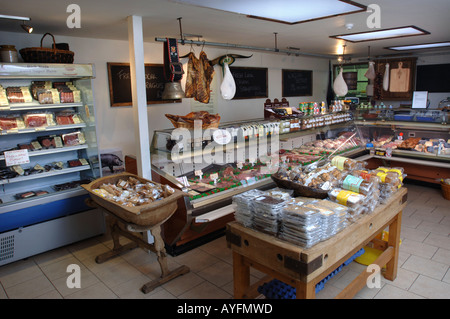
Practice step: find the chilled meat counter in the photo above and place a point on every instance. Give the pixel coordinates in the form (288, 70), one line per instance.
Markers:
(213, 165)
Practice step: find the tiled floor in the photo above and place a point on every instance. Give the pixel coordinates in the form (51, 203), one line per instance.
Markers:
(424, 265)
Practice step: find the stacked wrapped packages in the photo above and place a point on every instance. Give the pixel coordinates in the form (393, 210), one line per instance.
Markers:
(301, 220)
(352, 191)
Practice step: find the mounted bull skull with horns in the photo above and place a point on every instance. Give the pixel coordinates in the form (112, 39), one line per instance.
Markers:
(228, 86)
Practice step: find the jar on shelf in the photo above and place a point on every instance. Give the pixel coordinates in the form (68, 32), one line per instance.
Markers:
(8, 54)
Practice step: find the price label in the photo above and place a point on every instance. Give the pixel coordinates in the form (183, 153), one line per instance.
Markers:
(17, 157)
(214, 176)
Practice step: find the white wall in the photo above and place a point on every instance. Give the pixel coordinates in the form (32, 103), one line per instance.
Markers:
(115, 124)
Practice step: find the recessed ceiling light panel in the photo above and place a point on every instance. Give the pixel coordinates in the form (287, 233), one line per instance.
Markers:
(283, 11)
(420, 46)
(381, 34)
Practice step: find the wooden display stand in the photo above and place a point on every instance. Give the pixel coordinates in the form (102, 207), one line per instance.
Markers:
(304, 268)
(119, 227)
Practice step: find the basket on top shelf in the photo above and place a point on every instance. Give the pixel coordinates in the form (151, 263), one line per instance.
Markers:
(187, 121)
(46, 55)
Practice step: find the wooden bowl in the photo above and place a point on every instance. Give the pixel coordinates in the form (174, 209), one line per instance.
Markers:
(145, 215)
(299, 190)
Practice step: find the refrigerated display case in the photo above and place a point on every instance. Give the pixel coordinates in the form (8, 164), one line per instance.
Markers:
(419, 143)
(48, 148)
(214, 165)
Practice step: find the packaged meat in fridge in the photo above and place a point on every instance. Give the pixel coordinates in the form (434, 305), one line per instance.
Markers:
(68, 117)
(39, 119)
(48, 96)
(19, 94)
(3, 97)
(72, 139)
(11, 122)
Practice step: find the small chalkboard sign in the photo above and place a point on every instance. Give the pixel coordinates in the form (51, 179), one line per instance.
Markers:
(296, 82)
(251, 83)
(120, 84)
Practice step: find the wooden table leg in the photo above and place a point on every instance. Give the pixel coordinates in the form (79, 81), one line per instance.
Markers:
(241, 276)
(394, 241)
(305, 290)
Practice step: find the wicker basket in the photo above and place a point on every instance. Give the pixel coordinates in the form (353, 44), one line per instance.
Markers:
(46, 55)
(178, 122)
(299, 190)
(445, 190)
(144, 215)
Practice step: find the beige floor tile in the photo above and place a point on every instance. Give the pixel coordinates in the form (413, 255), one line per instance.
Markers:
(405, 279)
(442, 256)
(438, 240)
(180, 285)
(417, 248)
(434, 228)
(196, 260)
(205, 290)
(413, 233)
(132, 289)
(430, 288)
(87, 279)
(392, 292)
(18, 272)
(97, 291)
(58, 268)
(219, 273)
(32, 288)
(426, 267)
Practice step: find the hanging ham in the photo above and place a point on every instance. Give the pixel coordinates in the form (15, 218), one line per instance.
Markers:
(370, 73)
(339, 86)
(199, 76)
(228, 86)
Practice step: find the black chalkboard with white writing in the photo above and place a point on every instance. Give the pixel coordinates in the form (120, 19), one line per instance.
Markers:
(251, 83)
(296, 83)
(120, 84)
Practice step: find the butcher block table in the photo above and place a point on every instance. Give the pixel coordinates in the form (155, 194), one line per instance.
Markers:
(304, 268)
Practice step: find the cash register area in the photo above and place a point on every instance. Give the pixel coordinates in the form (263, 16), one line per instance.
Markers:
(424, 265)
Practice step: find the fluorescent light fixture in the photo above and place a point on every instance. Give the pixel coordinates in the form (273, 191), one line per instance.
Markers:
(283, 11)
(3, 16)
(420, 46)
(381, 34)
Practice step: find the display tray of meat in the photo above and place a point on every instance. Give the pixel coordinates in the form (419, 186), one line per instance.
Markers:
(11, 122)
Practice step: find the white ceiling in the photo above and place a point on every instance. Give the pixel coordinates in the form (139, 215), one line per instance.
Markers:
(106, 19)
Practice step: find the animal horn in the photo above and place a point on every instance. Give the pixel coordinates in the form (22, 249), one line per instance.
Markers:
(219, 60)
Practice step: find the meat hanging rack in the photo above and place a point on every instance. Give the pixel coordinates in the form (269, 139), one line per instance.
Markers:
(291, 50)
(247, 47)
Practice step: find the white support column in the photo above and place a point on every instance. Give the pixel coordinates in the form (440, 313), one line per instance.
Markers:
(137, 72)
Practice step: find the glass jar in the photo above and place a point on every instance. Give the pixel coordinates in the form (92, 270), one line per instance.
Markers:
(8, 54)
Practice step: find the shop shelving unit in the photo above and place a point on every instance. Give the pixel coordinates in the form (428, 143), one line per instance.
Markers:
(39, 223)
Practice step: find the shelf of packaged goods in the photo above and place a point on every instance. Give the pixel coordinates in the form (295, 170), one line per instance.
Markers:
(45, 174)
(54, 150)
(10, 199)
(407, 125)
(43, 129)
(37, 106)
